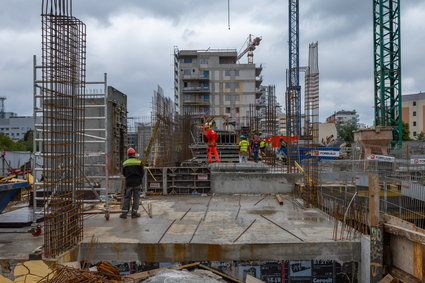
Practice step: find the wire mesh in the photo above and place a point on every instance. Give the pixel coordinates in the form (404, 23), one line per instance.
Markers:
(62, 96)
(402, 188)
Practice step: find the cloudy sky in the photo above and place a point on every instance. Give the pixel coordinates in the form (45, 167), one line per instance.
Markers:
(133, 41)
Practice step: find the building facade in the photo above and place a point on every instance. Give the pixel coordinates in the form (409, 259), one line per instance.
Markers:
(343, 116)
(15, 127)
(413, 113)
(211, 82)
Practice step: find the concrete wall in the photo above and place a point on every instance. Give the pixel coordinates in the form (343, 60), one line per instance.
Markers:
(364, 271)
(252, 183)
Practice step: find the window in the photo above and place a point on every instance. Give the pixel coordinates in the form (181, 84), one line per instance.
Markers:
(185, 84)
(414, 103)
(227, 109)
(203, 61)
(414, 134)
(205, 85)
(186, 72)
(237, 109)
(231, 73)
(414, 124)
(206, 98)
(206, 74)
(229, 85)
(229, 97)
(187, 60)
(414, 113)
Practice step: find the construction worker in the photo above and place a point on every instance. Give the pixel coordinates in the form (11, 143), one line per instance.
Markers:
(255, 147)
(243, 150)
(133, 172)
(263, 144)
(212, 138)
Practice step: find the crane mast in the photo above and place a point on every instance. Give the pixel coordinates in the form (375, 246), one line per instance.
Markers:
(293, 88)
(387, 59)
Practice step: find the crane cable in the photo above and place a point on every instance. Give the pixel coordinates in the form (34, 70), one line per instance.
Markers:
(228, 14)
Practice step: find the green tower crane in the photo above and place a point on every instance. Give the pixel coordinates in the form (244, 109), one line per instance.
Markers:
(387, 49)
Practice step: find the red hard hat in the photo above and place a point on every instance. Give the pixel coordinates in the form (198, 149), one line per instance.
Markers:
(131, 151)
(206, 126)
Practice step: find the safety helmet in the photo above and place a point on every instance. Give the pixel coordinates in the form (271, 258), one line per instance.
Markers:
(206, 126)
(243, 137)
(131, 151)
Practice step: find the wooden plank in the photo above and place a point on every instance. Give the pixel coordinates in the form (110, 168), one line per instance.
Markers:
(374, 189)
(411, 235)
(387, 279)
(403, 276)
(279, 199)
(417, 260)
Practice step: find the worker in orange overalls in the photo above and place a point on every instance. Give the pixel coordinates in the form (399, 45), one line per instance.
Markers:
(212, 138)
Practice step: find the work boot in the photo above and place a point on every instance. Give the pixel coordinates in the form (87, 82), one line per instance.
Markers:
(123, 215)
(135, 215)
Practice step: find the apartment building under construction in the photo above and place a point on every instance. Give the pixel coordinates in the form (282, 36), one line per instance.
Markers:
(212, 82)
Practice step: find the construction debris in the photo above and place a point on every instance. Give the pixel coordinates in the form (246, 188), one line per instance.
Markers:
(103, 272)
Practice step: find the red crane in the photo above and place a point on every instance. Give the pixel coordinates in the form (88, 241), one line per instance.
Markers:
(251, 43)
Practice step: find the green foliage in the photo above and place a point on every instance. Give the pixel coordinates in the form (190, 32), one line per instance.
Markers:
(420, 137)
(345, 131)
(405, 132)
(26, 144)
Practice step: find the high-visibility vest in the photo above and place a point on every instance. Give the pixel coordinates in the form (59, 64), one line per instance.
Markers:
(262, 144)
(243, 145)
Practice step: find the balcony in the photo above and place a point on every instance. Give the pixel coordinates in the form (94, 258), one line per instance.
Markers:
(258, 81)
(197, 89)
(196, 102)
(258, 69)
(195, 78)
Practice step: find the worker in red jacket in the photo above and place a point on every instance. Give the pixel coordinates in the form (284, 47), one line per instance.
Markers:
(212, 138)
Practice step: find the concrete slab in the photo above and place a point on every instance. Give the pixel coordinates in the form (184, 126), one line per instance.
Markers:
(221, 227)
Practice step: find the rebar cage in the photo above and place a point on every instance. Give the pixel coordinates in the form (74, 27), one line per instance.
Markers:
(61, 98)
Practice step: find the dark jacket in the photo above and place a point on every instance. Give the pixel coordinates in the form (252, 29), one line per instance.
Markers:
(133, 172)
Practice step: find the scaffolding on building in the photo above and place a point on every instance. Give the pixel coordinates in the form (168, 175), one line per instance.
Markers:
(59, 137)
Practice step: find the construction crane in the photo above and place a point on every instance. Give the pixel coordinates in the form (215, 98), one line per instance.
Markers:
(387, 59)
(251, 43)
(293, 88)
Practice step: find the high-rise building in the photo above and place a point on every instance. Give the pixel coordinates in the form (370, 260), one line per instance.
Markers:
(211, 82)
(413, 113)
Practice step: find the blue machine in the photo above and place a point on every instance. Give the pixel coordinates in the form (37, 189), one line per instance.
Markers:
(8, 192)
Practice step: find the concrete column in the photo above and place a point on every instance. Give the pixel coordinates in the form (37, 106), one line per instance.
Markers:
(376, 230)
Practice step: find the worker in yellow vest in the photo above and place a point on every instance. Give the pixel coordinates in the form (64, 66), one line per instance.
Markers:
(243, 150)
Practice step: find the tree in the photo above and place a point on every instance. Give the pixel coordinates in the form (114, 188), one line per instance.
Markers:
(405, 132)
(345, 131)
(26, 144)
(420, 137)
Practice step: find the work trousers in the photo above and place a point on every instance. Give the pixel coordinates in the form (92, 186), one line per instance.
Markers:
(212, 150)
(255, 152)
(131, 192)
(243, 156)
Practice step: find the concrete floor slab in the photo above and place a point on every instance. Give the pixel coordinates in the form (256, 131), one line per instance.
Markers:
(221, 227)
(195, 228)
